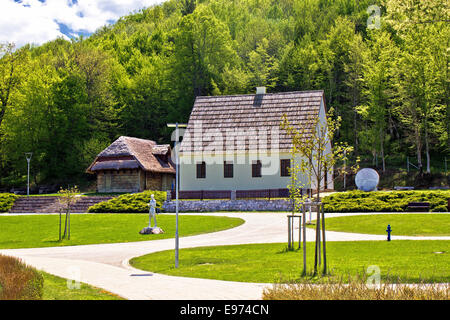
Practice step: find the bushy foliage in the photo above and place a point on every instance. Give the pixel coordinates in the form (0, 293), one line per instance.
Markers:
(151, 65)
(357, 288)
(19, 281)
(7, 201)
(129, 203)
(384, 201)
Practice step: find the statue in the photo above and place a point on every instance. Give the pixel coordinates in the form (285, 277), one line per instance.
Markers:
(152, 211)
(152, 214)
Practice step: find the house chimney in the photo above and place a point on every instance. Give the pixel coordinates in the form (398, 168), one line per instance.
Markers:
(260, 90)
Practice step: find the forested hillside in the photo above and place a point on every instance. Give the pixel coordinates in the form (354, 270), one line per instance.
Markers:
(66, 101)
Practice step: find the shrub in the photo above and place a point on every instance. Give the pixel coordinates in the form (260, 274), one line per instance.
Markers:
(385, 201)
(19, 281)
(7, 201)
(129, 203)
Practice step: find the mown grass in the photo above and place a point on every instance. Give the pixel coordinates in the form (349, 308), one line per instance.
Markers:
(55, 288)
(427, 224)
(412, 261)
(32, 231)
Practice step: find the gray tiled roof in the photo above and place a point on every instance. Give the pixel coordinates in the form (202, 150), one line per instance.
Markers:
(248, 117)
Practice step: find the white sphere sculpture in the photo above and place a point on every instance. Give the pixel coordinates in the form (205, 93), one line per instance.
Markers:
(367, 180)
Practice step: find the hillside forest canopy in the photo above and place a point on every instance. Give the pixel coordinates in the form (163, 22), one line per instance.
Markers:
(384, 67)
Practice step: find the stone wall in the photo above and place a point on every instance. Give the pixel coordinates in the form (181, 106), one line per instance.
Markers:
(228, 205)
(118, 181)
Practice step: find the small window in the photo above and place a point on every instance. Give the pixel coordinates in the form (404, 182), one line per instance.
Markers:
(256, 169)
(201, 170)
(228, 169)
(285, 167)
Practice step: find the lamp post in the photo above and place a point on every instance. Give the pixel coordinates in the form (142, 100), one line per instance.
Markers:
(177, 178)
(28, 155)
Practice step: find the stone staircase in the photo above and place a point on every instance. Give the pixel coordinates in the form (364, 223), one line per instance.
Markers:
(52, 205)
(83, 203)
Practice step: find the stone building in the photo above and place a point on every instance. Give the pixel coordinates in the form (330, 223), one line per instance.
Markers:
(133, 165)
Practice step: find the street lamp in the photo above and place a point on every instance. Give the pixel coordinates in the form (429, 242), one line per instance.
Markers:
(28, 155)
(177, 166)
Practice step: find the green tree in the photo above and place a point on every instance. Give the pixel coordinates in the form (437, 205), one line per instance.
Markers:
(378, 91)
(12, 74)
(423, 64)
(67, 198)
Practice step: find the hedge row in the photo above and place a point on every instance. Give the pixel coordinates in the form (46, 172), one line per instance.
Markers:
(19, 281)
(385, 201)
(129, 203)
(6, 201)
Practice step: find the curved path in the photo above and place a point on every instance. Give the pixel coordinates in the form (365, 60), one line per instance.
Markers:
(106, 265)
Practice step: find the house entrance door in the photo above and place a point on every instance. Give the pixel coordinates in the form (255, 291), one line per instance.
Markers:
(107, 182)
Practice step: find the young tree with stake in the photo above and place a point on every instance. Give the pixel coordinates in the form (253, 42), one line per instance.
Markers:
(314, 155)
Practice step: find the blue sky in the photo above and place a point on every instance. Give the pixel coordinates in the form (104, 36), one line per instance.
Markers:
(39, 21)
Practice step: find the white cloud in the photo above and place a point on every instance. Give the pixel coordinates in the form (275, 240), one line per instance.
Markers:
(33, 21)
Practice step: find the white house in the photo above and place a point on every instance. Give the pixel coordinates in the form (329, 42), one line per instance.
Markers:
(236, 143)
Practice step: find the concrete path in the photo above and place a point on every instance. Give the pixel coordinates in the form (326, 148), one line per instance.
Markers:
(106, 265)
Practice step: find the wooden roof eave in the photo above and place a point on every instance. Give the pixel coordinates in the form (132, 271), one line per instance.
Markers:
(88, 170)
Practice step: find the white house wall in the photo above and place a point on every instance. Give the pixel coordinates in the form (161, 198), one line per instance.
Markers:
(242, 173)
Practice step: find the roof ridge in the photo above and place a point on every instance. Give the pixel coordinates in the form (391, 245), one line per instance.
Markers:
(265, 94)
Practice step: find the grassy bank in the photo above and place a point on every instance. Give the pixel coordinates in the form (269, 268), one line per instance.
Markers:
(412, 261)
(31, 231)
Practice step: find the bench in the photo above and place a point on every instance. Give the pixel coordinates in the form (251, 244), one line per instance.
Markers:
(419, 206)
(403, 188)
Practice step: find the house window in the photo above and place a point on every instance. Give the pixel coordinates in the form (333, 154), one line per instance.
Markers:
(201, 170)
(285, 165)
(228, 169)
(256, 169)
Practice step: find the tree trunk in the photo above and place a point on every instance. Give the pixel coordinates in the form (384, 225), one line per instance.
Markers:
(427, 148)
(60, 213)
(65, 225)
(418, 150)
(382, 149)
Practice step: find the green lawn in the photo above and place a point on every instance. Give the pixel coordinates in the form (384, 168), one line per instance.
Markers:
(32, 231)
(55, 288)
(409, 260)
(428, 224)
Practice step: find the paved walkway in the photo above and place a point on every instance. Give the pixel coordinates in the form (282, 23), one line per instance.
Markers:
(106, 265)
